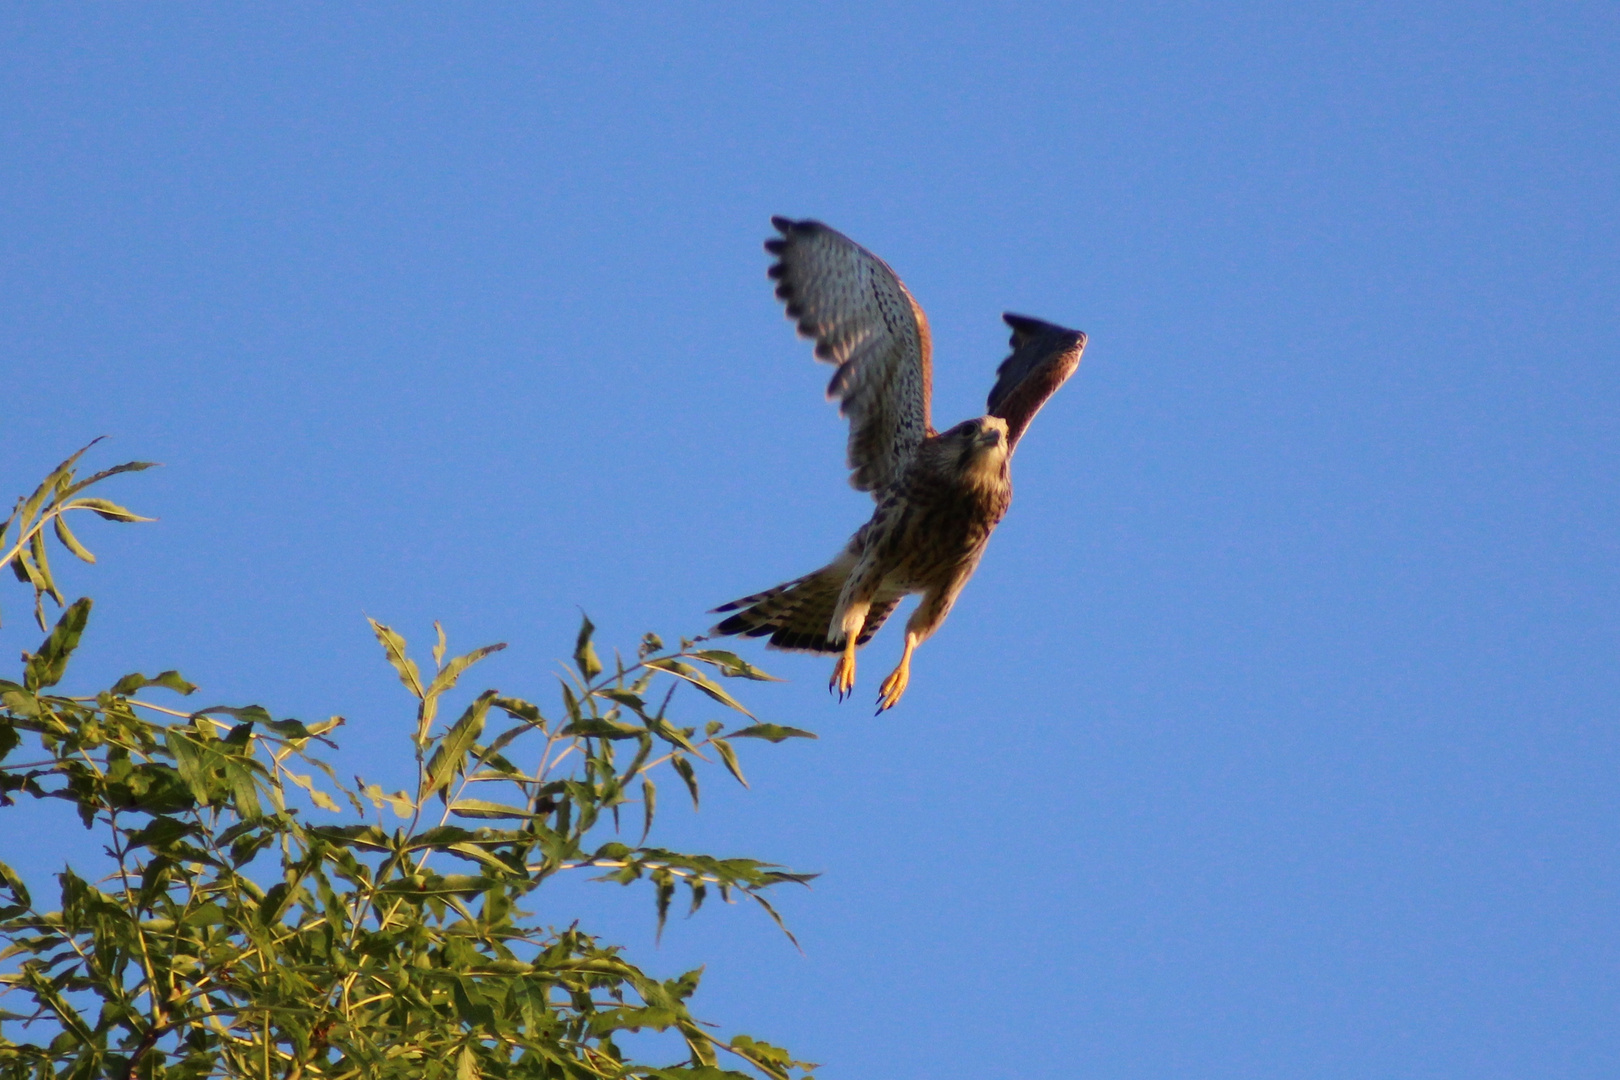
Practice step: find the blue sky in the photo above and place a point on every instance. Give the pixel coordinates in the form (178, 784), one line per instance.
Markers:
(1275, 736)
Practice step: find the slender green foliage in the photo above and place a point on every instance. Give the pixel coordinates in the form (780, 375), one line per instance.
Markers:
(368, 933)
(22, 535)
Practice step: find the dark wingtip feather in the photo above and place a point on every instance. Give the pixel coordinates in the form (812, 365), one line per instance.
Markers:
(775, 246)
(1024, 328)
(734, 625)
(802, 227)
(1044, 355)
(802, 641)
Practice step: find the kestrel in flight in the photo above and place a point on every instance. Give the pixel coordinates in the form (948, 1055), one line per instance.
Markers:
(939, 494)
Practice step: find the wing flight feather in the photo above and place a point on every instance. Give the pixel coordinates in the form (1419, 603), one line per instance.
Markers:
(1044, 356)
(864, 321)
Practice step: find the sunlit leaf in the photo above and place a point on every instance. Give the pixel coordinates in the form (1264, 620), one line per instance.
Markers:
(46, 667)
(96, 478)
(601, 728)
(731, 665)
(649, 806)
(623, 697)
(479, 808)
(169, 680)
(729, 756)
(41, 559)
(394, 647)
(399, 802)
(585, 652)
(773, 732)
(105, 508)
(451, 672)
(683, 766)
(697, 679)
(450, 759)
(65, 536)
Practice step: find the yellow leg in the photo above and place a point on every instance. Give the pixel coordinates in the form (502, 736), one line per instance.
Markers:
(843, 676)
(895, 684)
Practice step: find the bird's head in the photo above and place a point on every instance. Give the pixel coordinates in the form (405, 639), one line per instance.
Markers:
(980, 447)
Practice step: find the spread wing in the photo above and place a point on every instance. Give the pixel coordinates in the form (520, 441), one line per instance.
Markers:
(864, 321)
(1044, 356)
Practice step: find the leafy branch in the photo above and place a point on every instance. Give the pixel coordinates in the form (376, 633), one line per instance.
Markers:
(238, 936)
(24, 529)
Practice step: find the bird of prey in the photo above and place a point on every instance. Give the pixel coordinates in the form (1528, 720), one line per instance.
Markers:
(939, 494)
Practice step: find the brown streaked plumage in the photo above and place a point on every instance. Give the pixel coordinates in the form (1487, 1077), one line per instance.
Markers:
(939, 494)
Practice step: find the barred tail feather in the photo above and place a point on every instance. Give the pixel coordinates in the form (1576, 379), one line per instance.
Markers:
(797, 614)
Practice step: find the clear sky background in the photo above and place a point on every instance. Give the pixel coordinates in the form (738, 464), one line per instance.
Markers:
(1276, 735)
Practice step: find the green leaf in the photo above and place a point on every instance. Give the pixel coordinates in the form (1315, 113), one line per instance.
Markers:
(65, 536)
(518, 709)
(450, 759)
(42, 560)
(731, 665)
(671, 734)
(46, 667)
(699, 680)
(169, 680)
(160, 832)
(9, 878)
(90, 481)
(649, 804)
(729, 756)
(437, 837)
(316, 795)
(399, 801)
(247, 714)
(192, 764)
(688, 774)
(394, 646)
(478, 808)
(296, 731)
(449, 673)
(623, 697)
(440, 885)
(597, 727)
(438, 650)
(773, 732)
(367, 836)
(205, 915)
(104, 508)
(584, 651)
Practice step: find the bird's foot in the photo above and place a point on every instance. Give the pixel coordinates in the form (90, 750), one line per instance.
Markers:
(894, 686)
(843, 676)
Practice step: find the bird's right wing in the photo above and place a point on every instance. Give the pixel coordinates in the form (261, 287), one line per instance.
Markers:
(863, 320)
(1044, 356)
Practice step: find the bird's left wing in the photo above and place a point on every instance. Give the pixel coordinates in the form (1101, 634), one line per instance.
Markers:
(1044, 356)
(863, 320)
